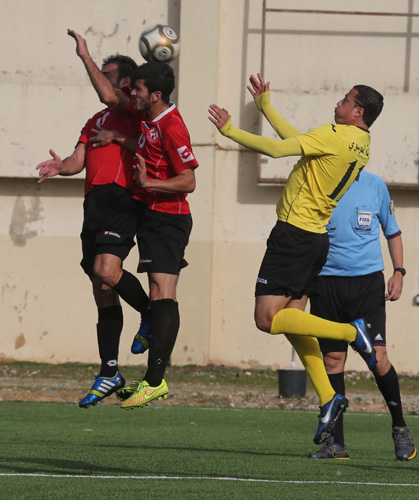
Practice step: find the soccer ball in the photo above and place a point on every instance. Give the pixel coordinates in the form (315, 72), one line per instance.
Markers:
(159, 43)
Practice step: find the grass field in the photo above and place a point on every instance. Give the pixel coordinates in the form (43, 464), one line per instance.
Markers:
(58, 451)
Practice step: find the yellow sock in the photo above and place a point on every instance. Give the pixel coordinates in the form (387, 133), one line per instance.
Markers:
(298, 322)
(308, 351)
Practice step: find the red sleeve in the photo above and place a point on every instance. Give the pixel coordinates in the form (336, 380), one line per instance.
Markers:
(178, 147)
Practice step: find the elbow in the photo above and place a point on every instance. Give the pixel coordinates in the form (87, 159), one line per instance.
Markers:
(191, 187)
(109, 100)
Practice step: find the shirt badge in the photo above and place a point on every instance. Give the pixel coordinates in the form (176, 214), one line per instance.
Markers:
(364, 220)
(391, 207)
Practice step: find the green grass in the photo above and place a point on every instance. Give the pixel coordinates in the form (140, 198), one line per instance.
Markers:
(186, 451)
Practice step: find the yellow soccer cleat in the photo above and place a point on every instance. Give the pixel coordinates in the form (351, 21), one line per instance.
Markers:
(144, 394)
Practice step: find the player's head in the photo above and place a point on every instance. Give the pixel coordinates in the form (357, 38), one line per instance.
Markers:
(157, 77)
(119, 70)
(360, 106)
(371, 101)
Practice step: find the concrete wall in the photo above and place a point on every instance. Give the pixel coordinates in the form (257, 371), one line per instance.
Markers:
(46, 303)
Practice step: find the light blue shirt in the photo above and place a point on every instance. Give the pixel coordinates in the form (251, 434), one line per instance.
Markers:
(354, 228)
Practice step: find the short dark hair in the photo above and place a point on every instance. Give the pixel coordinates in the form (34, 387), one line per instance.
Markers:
(371, 101)
(157, 76)
(126, 65)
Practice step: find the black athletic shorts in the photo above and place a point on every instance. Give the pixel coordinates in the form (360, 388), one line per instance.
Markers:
(110, 223)
(292, 261)
(344, 299)
(162, 239)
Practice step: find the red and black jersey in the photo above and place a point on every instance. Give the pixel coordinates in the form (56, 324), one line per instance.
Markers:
(112, 163)
(165, 145)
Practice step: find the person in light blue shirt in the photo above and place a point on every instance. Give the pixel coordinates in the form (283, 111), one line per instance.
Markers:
(352, 285)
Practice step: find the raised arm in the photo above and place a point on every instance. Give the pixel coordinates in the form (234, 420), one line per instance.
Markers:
(267, 146)
(110, 96)
(260, 93)
(69, 166)
(395, 283)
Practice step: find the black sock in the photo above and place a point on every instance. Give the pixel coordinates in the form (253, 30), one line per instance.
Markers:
(109, 328)
(337, 380)
(130, 289)
(165, 326)
(389, 388)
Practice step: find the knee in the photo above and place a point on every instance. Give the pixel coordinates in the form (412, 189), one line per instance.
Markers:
(383, 363)
(263, 321)
(107, 273)
(334, 362)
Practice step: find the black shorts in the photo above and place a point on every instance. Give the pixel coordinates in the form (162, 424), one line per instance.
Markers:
(109, 225)
(292, 261)
(344, 299)
(162, 239)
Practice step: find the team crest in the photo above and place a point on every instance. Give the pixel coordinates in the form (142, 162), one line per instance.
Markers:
(153, 135)
(364, 220)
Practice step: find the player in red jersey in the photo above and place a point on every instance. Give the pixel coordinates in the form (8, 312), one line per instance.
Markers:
(110, 223)
(165, 174)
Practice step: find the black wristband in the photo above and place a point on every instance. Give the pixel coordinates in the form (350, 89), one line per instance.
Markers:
(401, 270)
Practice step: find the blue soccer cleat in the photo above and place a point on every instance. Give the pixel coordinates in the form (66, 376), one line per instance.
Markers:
(329, 413)
(102, 388)
(141, 340)
(362, 344)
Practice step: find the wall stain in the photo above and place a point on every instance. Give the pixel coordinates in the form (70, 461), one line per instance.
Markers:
(22, 217)
(20, 341)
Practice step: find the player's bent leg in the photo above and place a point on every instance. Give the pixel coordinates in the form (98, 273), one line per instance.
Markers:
(266, 306)
(308, 351)
(108, 268)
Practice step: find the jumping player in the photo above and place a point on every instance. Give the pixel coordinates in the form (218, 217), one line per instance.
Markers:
(332, 155)
(165, 171)
(109, 226)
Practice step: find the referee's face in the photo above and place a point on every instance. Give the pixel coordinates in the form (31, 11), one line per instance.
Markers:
(142, 98)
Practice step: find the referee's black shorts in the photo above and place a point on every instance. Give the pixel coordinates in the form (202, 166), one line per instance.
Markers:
(344, 299)
(293, 259)
(162, 239)
(109, 225)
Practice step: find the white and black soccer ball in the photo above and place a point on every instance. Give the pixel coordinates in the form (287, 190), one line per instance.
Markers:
(159, 43)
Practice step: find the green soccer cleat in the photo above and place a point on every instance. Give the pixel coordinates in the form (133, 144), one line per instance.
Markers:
(127, 391)
(144, 394)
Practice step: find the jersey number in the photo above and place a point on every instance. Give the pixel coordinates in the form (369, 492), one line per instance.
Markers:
(339, 188)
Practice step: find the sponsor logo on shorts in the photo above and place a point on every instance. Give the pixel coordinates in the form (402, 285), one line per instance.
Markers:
(185, 154)
(145, 261)
(378, 337)
(110, 233)
(262, 280)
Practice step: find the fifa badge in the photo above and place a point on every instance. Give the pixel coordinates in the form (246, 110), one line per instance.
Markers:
(364, 220)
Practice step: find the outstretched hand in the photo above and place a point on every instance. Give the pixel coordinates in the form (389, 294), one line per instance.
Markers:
(81, 44)
(50, 168)
(258, 85)
(218, 116)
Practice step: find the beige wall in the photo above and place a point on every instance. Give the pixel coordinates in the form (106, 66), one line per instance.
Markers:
(46, 304)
